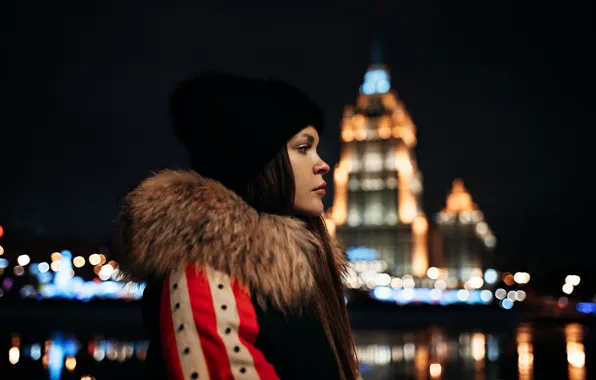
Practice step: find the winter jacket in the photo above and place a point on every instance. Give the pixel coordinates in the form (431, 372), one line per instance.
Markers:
(229, 290)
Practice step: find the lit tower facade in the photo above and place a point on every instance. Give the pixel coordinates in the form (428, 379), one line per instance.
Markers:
(378, 186)
(466, 239)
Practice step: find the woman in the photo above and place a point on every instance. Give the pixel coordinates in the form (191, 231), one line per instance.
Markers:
(244, 281)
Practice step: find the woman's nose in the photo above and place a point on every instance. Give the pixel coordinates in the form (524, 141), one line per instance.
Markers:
(321, 167)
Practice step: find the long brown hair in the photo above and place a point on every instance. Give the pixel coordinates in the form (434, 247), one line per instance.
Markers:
(273, 191)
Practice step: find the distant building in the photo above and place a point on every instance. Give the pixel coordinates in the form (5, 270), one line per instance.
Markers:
(463, 236)
(377, 212)
(378, 185)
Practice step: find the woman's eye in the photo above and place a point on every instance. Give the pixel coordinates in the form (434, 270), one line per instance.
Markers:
(303, 149)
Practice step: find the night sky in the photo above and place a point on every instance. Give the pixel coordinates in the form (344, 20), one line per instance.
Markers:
(502, 96)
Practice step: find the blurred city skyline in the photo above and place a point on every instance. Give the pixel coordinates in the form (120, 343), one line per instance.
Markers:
(501, 97)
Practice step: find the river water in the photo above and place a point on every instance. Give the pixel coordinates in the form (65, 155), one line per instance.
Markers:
(523, 352)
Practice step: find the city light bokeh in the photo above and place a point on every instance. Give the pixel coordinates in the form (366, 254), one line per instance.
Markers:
(59, 280)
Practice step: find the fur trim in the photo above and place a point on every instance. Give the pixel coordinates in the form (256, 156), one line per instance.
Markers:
(178, 217)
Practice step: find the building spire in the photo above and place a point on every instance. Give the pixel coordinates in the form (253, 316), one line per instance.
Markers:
(376, 52)
(377, 79)
(376, 20)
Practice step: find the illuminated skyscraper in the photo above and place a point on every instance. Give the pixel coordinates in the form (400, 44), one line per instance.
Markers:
(378, 186)
(465, 237)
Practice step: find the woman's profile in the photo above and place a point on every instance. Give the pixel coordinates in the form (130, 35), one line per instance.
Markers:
(243, 280)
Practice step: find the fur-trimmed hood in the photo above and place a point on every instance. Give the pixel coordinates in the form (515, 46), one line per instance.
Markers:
(179, 217)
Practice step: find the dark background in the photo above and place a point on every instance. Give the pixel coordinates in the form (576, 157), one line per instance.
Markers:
(501, 93)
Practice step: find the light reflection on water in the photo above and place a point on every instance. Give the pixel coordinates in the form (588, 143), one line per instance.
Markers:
(576, 355)
(427, 354)
(60, 354)
(439, 354)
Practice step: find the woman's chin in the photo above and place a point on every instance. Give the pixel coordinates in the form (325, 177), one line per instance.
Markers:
(312, 210)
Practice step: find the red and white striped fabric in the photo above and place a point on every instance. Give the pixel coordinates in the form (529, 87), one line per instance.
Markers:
(209, 328)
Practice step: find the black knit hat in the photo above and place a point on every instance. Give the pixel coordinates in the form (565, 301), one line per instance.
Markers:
(233, 126)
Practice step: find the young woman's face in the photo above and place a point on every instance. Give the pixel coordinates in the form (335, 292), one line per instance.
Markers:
(308, 169)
